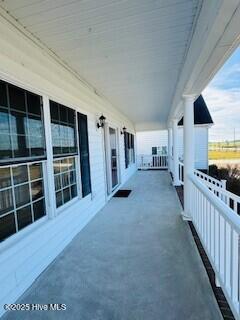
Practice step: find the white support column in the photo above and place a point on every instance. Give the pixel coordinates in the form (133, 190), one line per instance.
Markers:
(189, 152)
(176, 181)
(170, 149)
(51, 197)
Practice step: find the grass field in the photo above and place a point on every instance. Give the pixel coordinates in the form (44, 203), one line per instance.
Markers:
(226, 155)
(224, 144)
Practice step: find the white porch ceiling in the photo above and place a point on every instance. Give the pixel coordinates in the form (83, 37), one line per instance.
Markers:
(132, 52)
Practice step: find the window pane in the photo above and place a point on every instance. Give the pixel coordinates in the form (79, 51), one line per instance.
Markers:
(7, 226)
(63, 129)
(35, 171)
(57, 166)
(36, 144)
(5, 147)
(35, 126)
(64, 165)
(20, 149)
(63, 113)
(6, 201)
(5, 177)
(24, 217)
(39, 209)
(33, 103)
(65, 180)
(72, 177)
(20, 174)
(71, 162)
(21, 202)
(3, 94)
(18, 123)
(17, 98)
(66, 195)
(4, 121)
(37, 189)
(57, 180)
(71, 117)
(21, 124)
(22, 195)
(73, 191)
(59, 199)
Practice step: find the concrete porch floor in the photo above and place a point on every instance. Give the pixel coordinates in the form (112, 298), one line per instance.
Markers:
(135, 260)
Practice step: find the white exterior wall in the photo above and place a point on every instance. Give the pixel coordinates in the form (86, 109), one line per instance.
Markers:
(26, 254)
(147, 140)
(201, 146)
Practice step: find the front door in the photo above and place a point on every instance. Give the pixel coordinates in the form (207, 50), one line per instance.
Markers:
(111, 145)
(113, 155)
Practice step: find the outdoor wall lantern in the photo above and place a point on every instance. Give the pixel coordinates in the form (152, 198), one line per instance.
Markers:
(101, 122)
(123, 130)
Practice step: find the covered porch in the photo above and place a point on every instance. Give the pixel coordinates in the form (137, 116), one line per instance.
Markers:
(102, 71)
(135, 260)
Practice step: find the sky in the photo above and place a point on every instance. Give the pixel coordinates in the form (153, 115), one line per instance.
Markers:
(222, 96)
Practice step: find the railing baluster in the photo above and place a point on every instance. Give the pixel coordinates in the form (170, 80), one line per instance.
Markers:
(225, 251)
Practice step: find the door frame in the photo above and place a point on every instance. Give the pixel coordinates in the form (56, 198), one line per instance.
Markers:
(110, 188)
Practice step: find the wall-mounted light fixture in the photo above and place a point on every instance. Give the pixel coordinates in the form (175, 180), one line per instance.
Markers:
(101, 122)
(124, 129)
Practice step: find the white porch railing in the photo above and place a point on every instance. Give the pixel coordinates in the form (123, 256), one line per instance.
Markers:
(181, 172)
(215, 215)
(209, 179)
(152, 162)
(218, 227)
(203, 176)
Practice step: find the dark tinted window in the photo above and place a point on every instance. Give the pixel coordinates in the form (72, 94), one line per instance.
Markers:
(7, 226)
(63, 129)
(21, 124)
(19, 204)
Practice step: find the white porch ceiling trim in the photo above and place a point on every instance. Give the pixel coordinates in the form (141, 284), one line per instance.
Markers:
(140, 59)
(216, 36)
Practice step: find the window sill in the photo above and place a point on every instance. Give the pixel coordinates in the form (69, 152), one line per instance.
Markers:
(22, 234)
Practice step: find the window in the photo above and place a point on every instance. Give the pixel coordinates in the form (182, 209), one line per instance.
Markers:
(22, 155)
(129, 149)
(21, 197)
(65, 180)
(63, 129)
(159, 151)
(154, 151)
(63, 126)
(84, 154)
(21, 125)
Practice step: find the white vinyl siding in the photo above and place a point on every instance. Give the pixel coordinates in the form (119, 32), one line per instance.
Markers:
(147, 140)
(201, 146)
(26, 254)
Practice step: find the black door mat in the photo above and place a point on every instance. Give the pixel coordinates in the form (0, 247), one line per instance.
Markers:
(122, 193)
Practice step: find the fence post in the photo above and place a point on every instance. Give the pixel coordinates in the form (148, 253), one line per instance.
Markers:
(224, 186)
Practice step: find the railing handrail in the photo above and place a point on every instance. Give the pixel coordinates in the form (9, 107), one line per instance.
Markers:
(152, 161)
(200, 173)
(152, 155)
(223, 208)
(224, 192)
